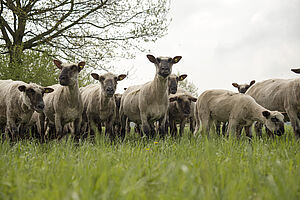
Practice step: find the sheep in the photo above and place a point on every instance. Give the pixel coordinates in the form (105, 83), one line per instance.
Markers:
(99, 102)
(179, 111)
(242, 88)
(239, 110)
(18, 101)
(281, 95)
(64, 105)
(173, 82)
(147, 103)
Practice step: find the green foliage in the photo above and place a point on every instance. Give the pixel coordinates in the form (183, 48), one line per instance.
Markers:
(212, 167)
(36, 67)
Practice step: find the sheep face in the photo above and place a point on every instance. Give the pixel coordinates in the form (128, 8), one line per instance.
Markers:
(108, 82)
(33, 96)
(274, 121)
(183, 103)
(69, 72)
(243, 87)
(163, 64)
(173, 82)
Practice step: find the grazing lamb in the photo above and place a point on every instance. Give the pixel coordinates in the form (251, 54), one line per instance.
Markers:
(100, 104)
(147, 103)
(242, 88)
(282, 95)
(64, 105)
(18, 101)
(180, 109)
(239, 110)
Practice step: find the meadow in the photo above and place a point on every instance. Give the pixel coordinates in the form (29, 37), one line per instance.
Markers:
(213, 167)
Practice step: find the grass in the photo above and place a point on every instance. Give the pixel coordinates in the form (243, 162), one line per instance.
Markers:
(184, 168)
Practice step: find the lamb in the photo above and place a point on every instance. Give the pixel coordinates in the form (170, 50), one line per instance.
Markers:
(149, 102)
(18, 101)
(239, 110)
(180, 109)
(64, 105)
(282, 95)
(242, 88)
(99, 102)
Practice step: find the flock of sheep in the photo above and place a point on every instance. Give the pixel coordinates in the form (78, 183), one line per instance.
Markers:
(54, 111)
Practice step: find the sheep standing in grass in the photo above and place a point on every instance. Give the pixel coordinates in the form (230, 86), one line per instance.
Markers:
(239, 110)
(282, 95)
(64, 105)
(99, 103)
(180, 110)
(149, 102)
(242, 88)
(18, 101)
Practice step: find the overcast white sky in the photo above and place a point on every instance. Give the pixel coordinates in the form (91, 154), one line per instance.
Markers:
(225, 41)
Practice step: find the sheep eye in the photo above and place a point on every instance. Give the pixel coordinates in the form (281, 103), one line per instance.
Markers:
(169, 59)
(274, 119)
(158, 60)
(101, 78)
(74, 67)
(31, 91)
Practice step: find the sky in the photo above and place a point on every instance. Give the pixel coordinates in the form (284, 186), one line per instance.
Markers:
(225, 41)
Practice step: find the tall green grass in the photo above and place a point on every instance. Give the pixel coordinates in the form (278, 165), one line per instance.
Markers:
(211, 167)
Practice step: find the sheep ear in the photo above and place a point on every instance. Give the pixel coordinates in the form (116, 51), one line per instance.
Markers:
(151, 58)
(58, 64)
(81, 65)
(252, 82)
(48, 90)
(235, 85)
(121, 77)
(176, 59)
(297, 71)
(22, 88)
(182, 77)
(266, 114)
(171, 99)
(95, 76)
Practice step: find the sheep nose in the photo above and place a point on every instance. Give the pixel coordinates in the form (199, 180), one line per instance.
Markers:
(62, 77)
(109, 89)
(41, 106)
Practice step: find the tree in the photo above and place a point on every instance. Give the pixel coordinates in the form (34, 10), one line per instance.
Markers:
(38, 68)
(92, 30)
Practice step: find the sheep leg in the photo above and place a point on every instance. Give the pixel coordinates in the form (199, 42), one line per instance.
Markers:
(123, 121)
(258, 128)
(218, 129)
(182, 125)
(232, 128)
(108, 129)
(58, 127)
(294, 121)
(77, 124)
(145, 125)
(191, 124)
(162, 126)
(248, 131)
(224, 127)
(173, 128)
(206, 124)
(12, 128)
